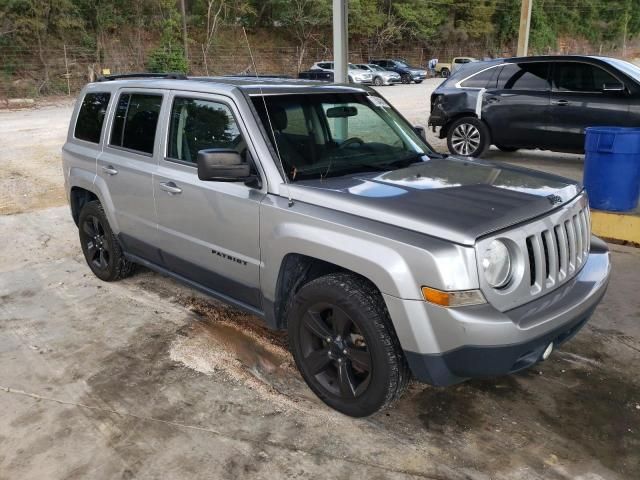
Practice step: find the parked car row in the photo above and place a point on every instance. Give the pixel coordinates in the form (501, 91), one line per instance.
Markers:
(377, 72)
(543, 102)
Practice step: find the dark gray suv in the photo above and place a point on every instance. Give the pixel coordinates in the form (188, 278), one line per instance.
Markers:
(534, 102)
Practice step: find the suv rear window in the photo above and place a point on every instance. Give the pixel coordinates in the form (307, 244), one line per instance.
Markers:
(524, 76)
(91, 117)
(136, 118)
(486, 79)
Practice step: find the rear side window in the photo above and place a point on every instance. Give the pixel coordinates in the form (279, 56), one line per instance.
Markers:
(486, 79)
(91, 117)
(136, 118)
(581, 77)
(201, 124)
(524, 76)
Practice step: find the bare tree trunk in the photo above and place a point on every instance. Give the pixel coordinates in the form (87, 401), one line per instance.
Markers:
(45, 65)
(302, 51)
(185, 38)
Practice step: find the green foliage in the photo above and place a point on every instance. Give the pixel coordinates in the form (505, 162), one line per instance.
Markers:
(169, 56)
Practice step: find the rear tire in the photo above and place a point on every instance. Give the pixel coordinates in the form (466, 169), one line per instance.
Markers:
(406, 79)
(418, 81)
(444, 73)
(468, 137)
(344, 344)
(100, 246)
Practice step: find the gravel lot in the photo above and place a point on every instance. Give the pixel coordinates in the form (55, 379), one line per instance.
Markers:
(146, 379)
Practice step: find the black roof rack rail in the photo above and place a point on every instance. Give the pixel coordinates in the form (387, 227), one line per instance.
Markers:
(170, 76)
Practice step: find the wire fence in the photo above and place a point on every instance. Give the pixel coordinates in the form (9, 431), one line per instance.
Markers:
(29, 73)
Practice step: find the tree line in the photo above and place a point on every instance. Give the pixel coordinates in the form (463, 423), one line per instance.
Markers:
(184, 29)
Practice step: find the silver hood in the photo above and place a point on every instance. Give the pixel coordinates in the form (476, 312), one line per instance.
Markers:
(450, 198)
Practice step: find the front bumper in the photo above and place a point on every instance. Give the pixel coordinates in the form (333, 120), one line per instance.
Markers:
(446, 346)
(390, 80)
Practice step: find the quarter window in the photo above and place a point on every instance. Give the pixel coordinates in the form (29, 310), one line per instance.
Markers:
(91, 117)
(135, 122)
(524, 76)
(486, 79)
(581, 77)
(201, 124)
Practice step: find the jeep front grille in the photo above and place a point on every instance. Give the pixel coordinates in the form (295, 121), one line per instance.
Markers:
(557, 253)
(546, 253)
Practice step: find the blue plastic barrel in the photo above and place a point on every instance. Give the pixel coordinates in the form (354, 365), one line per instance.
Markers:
(612, 168)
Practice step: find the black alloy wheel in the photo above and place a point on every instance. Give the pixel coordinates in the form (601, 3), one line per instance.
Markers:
(97, 248)
(344, 344)
(334, 350)
(100, 246)
(406, 79)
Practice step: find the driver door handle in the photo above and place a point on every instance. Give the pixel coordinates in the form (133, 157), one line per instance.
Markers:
(171, 188)
(110, 170)
(561, 103)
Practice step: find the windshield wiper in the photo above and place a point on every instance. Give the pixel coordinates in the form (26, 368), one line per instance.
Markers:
(401, 163)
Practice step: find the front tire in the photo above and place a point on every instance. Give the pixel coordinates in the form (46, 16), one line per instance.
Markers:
(100, 246)
(344, 344)
(468, 137)
(377, 81)
(445, 73)
(418, 81)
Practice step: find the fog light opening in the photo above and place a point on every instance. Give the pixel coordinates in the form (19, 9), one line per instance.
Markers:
(547, 351)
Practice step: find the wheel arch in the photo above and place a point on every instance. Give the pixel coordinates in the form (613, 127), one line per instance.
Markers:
(296, 270)
(86, 186)
(78, 198)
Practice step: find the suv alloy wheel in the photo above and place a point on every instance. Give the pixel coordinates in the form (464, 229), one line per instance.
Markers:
(100, 246)
(344, 344)
(468, 137)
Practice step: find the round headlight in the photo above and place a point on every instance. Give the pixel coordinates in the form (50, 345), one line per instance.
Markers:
(496, 264)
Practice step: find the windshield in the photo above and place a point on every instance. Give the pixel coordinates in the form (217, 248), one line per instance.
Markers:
(629, 68)
(377, 67)
(332, 134)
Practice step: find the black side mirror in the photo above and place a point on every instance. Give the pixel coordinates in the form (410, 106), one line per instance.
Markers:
(420, 131)
(613, 88)
(222, 165)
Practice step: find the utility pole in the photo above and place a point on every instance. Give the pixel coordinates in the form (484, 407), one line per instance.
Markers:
(525, 25)
(340, 41)
(185, 38)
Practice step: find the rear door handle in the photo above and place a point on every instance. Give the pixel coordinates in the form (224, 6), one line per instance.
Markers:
(171, 188)
(110, 170)
(561, 103)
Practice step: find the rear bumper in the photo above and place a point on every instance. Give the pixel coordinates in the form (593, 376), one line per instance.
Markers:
(447, 346)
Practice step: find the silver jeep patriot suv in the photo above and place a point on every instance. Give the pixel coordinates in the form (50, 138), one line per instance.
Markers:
(320, 209)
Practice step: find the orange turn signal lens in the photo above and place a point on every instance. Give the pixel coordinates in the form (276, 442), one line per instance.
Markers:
(436, 296)
(453, 299)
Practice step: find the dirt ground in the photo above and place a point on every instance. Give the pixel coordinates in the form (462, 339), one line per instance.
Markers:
(144, 378)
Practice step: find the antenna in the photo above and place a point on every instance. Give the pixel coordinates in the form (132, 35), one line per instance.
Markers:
(273, 133)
